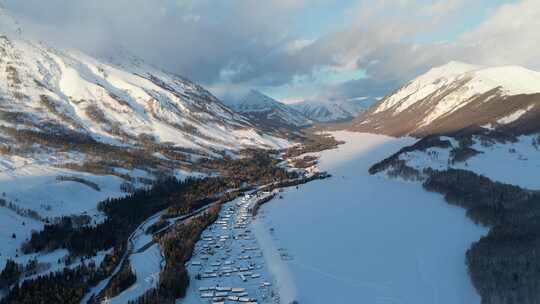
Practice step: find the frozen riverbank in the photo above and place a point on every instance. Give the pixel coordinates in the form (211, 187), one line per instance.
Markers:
(360, 238)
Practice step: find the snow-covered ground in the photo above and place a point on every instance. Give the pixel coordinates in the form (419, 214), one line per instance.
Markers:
(146, 262)
(356, 238)
(513, 163)
(35, 187)
(146, 265)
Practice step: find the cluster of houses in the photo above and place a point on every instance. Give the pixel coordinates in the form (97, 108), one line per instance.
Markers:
(228, 265)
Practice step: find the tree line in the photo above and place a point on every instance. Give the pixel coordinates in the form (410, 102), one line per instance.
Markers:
(504, 265)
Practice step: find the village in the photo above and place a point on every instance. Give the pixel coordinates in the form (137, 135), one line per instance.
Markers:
(228, 265)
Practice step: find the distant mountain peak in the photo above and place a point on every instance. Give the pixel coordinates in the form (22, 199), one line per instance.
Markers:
(270, 114)
(331, 110)
(256, 100)
(259, 94)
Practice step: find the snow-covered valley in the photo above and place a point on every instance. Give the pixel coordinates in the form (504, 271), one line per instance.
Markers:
(165, 152)
(357, 238)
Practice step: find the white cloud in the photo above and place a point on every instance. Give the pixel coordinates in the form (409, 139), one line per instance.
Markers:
(507, 37)
(441, 8)
(236, 45)
(510, 36)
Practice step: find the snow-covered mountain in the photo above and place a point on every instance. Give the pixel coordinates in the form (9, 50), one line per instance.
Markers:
(76, 129)
(269, 113)
(330, 111)
(114, 101)
(458, 96)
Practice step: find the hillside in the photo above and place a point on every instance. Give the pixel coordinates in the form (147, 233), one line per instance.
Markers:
(115, 101)
(457, 96)
(62, 109)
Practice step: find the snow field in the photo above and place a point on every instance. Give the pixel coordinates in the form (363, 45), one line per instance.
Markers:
(513, 163)
(356, 238)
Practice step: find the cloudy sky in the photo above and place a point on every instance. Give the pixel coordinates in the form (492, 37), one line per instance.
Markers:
(294, 49)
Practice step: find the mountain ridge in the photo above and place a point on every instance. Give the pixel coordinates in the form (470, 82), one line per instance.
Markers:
(330, 111)
(270, 113)
(95, 96)
(458, 96)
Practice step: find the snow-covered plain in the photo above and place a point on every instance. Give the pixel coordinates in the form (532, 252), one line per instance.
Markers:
(356, 238)
(35, 187)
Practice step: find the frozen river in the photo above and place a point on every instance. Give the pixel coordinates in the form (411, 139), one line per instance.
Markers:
(356, 238)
